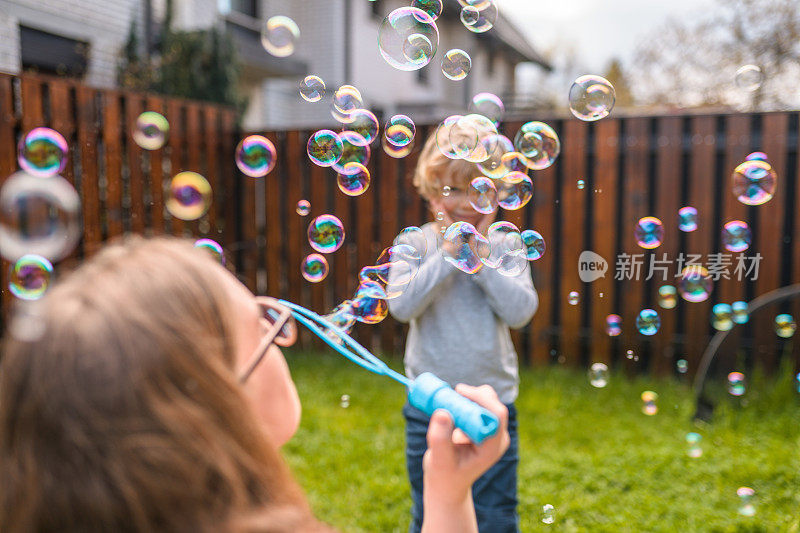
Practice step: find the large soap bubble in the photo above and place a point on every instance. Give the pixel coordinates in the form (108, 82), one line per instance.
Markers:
(408, 38)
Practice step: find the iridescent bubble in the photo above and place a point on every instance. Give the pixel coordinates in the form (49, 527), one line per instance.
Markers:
(443, 141)
(785, 326)
(507, 253)
(474, 137)
(687, 219)
(695, 284)
(489, 105)
(314, 268)
(354, 150)
(213, 247)
(613, 325)
(189, 196)
(494, 166)
(629, 354)
(279, 36)
(397, 152)
(581, 185)
(456, 64)
(464, 247)
(446, 190)
(38, 216)
(354, 181)
(403, 261)
(345, 100)
(591, 98)
(256, 156)
(736, 384)
(312, 88)
(749, 77)
(479, 18)
(150, 131)
(482, 195)
(693, 440)
(754, 182)
(432, 7)
(534, 244)
(736, 236)
(342, 318)
(797, 381)
(514, 162)
(42, 152)
(414, 237)
(573, 298)
(648, 322)
(756, 156)
(324, 148)
(548, 514)
(30, 277)
(367, 308)
(400, 131)
(326, 234)
(649, 406)
(667, 296)
(598, 375)
(514, 190)
(408, 38)
(722, 317)
(539, 143)
(740, 313)
(303, 208)
(344, 401)
(365, 123)
(682, 365)
(649, 232)
(746, 505)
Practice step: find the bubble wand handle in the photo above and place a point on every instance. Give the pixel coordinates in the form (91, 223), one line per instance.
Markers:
(427, 393)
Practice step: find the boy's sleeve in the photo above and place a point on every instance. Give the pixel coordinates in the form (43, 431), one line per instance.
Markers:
(422, 288)
(513, 299)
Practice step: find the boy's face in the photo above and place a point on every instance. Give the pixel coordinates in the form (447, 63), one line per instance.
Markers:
(456, 207)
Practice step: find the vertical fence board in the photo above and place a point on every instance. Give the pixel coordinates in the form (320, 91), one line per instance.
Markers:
(275, 231)
(8, 164)
(134, 108)
(295, 230)
(90, 193)
(211, 142)
(156, 175)
(113, 162)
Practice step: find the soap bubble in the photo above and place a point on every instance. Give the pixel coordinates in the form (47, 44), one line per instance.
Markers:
(667, 297)
(432, 7)
(494, 166)
(598, 375)
(482, 195)
(443, 141)
(722, 317)
(256, 156)
(693, 440)
(754, 182)
(648, 322)
(312, 88)
(489, 105)
(344, 401)
(212, 247)
(534, 244)
(736, 236)
(539, 143)
(591, 98)
(402, 261)
(464, 247)
(446, 191)
(30, 277)
(479, 18)
(687, 219)
(514, 162)
(613, 325)
(314, 268)
(150, 131)
(474, 137)
(414, 237)
(797, 381)
(746, 506)
(785, 326)
(514, 190)
(38, 216)
(303, 208)
(629, 355)
(279, 36)
(581, 185)
(507, 253)
(756, 156)
(573, 298)
(365, 123)
(408, 38)
(397, 152)
(548, 514)
(695, 284)
(354, 150)
(324, 148)
(366, 308)
(736, 384)
(346, 99)
(649, 406)
(326, 234)
(749, 77)
(649, 232)
(740, 314)
(400, 131)
(456, 64)
(682, 365)
(189, 196)
(354, 181)
(42, 152)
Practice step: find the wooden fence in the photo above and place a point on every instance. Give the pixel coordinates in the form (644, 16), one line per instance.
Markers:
(632, 167)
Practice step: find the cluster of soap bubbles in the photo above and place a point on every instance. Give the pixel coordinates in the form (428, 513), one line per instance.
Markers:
(504, 248)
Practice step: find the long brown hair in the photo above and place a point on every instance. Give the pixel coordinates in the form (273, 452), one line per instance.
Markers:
(126, 415)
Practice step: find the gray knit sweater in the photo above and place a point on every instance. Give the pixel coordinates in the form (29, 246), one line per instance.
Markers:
(459, 323)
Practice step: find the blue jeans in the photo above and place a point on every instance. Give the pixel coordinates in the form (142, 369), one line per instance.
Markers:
(494, 493)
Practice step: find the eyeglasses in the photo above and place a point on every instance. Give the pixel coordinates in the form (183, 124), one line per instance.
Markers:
(280, 329)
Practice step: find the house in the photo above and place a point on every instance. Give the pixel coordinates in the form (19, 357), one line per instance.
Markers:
(338, 42)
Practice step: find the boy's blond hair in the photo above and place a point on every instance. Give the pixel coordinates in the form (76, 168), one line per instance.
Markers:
(433, 166)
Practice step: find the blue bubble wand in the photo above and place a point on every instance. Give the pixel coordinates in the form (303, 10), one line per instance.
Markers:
(427, 392)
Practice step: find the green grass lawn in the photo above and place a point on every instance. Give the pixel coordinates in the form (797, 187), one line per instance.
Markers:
(589, 452)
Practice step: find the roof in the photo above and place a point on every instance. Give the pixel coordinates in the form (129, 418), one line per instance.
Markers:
(508, 36)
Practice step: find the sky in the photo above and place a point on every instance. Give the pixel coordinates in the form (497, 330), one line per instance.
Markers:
(598, 29)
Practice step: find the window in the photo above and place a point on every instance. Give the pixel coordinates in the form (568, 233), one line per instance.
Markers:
(52, 54)
(245, 7)
(376, 8)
